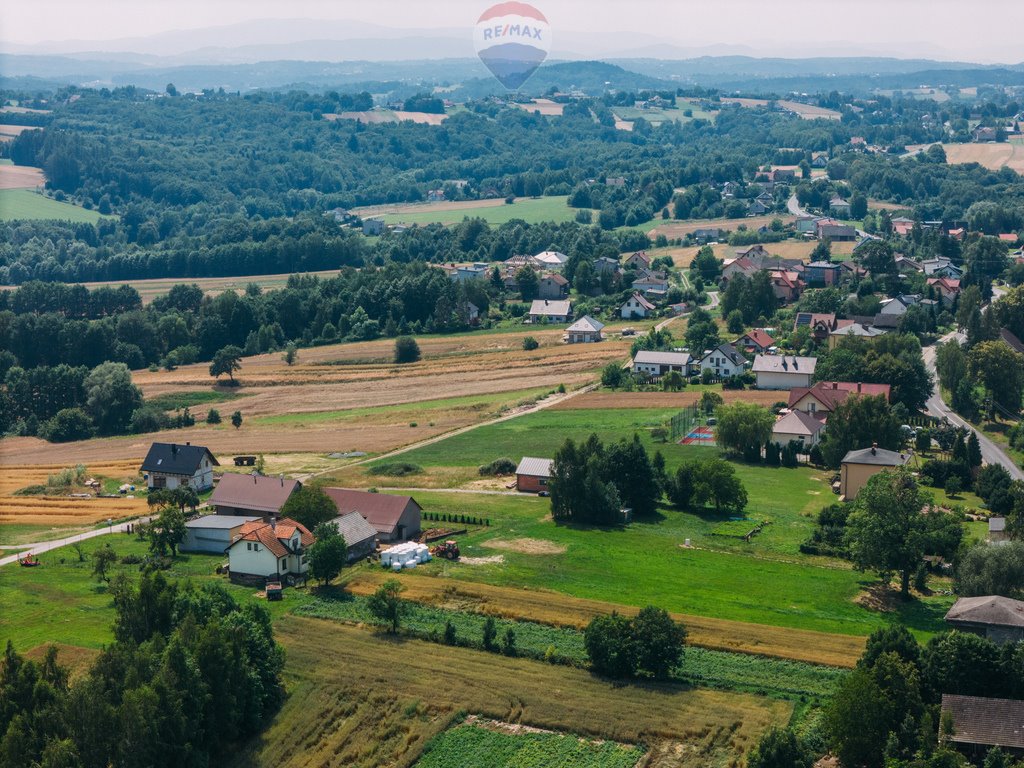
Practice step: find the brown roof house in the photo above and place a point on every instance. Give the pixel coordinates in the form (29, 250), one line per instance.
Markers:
(552, 286)
(396, 518)
(822, 398)
(1000, 619)
(264, 552)
(253, 494)
(860, 466)
(981, 723)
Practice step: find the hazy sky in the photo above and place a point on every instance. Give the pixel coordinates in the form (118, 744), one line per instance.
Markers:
(975, 30)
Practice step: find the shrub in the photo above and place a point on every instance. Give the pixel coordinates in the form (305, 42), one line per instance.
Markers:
(213, 417)
(406, 350)
(396, 469)
(69, 424)
(502, 466)
(530, 343)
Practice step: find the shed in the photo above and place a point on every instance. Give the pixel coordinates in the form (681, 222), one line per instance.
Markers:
(981, 723)
(395, 518)
(532, 474)
(998, 618)
(359, 535)
(252, 494)
(213, 534)
(997, 529)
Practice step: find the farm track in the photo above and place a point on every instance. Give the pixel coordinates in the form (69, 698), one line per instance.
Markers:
(563, 610)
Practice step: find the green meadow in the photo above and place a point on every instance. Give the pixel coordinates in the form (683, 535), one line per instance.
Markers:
(532, 210)
(26, 204)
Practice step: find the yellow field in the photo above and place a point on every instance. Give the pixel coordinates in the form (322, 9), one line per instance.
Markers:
(320, 404)
(20, 177)
(788, 249)
(358, 698)
(544, 106)
(992, 156)
(61, 511)
(681, 228)
(558, 609)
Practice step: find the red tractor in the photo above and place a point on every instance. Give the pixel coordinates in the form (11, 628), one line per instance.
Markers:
(449, 550)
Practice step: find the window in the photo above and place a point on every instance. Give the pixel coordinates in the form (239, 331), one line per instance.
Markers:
(249, 546)
(812, 407)
(284, 563)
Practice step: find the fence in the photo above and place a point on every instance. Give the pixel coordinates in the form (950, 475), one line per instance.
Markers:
(684, 422)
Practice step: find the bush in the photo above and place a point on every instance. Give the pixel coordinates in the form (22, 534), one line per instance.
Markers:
(69, 424)
(502, 466)
(213, 417)
(148, 419)
(396, 469)
(530, 343)
(406, 350)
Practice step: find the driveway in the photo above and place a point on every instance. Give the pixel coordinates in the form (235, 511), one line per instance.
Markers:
(990, 451)
(46, 546)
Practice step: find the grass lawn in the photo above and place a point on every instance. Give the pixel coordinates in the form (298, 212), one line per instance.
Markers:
(530, 209)
(764, 582)
(172, 401)
(26, 204)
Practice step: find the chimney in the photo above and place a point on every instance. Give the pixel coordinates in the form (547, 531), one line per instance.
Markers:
(874, 449)
(187, 442)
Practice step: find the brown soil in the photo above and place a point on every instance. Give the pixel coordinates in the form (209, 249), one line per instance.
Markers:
(526, 546)
(20, 176)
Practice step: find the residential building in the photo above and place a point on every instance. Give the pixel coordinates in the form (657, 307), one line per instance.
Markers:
(213, 534)
(853, 329)
(902, 226)
(1010, 338)
(839, 207)
(821, 398)
(707, 234)
(551, 259)
(983, 134)
(980, 723)
(783, 371)
(615, 181)
(586, 330)
(947, 287)
(636, 306)
(741, 265)
(907, 266)
(1000, 619)
(604, 264)
(656, 363)
(807, 224)
(264, 552)
(757, 208)
(786, 285)
(532, 474)
(898, 305)
(941, 266)
(724, 361)
(654, 284)
(171, 465)
(799, 427)
(836, 232)
(551, 311)
(253, 494)
(472, 313)
(752, 252)
(360, 537)
(819, 324)
(822, 273)
(372, 227)
(755, 341)
(395, 518)
(860, 466)
(461, 274)
(639, 260)
(552, 286)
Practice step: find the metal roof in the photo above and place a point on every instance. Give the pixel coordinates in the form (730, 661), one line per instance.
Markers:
(354, 528)
(878, 456)
(256, 492)
(586, 324)
(989, 609)
(654, 357)
(534, 467)
(176, 459)
(988, 722)
(545, 307)
(219, 522)
(784, 364)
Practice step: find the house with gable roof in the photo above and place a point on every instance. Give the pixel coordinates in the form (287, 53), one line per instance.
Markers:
(269, 551)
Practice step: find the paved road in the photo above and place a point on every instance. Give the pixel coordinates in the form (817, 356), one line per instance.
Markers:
(46, 546)
(793, 206)
(990, 451)
(712, 300)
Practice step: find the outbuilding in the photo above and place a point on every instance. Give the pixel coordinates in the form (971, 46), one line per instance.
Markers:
(213, 534)
(395, 518)
(360, 537)
(252, 494)
(1000, 619)
(532, 474)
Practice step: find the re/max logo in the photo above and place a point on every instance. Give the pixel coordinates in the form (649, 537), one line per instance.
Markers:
(519, 30)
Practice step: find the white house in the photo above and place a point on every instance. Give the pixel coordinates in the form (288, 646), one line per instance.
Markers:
(552, 311)
(654, 363)
(584, 331)
(798, 426)
(170, 466)
(264, 552)
(636, 306)
(783, 371)
(724, 361)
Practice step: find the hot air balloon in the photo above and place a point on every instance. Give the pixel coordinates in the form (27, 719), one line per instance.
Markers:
(512, 39)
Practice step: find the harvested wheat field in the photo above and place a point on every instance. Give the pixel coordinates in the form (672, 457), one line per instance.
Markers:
(604, 399)
(683, 228)
(543, 106)
(788, 249)
(992, 156)
(558, 609)
(58, 511)
(392, 694)
(20, 177)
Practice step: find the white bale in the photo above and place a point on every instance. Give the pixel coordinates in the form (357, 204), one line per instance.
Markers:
(410, 564)
(396, 566)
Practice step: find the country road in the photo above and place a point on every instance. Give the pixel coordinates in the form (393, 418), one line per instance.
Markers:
(46, 546)
(990, 451)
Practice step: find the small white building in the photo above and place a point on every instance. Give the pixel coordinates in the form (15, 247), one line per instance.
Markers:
(265, 552)
(636, 306)
(724, 360)
(551, 311)
(783, 371)
(586, 330)
(654, 363)
(171, 465)
(213, 534)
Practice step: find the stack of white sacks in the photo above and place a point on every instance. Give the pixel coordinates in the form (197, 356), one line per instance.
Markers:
(407, 555)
